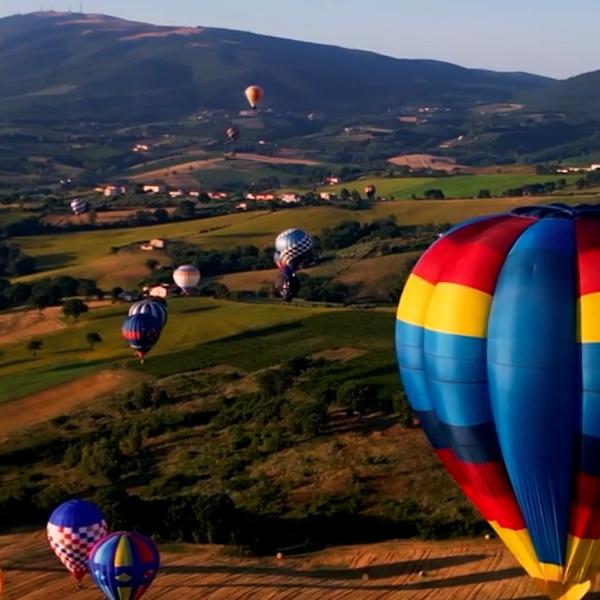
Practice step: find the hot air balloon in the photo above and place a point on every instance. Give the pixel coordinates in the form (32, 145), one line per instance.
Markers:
(187, 277)
(370, 191)
(124, 565)
(254, 95)
(141, 331)
(288, 286)
(233, 133)
(73, 528)
(293, 246)
(150, 307)
(498, 344)
(79, 207)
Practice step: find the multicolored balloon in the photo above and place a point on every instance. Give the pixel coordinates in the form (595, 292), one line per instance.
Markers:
(292, 247)
(123, 565)
(186, 277)
(141, 332)
(498, 343)
(233, 133)
(154, 308)
(79, 207)
(254, 95)
(72, 530)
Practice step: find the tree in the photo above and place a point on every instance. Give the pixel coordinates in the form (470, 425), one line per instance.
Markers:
(484, 194)
(74, 308)
(151, 264)
(161, 215)
(434, 194)
(40, 301)
(115, 293)
(344, 195)
(93, 338)
(186, 209)
(34, 346)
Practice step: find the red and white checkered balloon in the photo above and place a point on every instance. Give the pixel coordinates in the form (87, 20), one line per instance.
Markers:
(73, 529)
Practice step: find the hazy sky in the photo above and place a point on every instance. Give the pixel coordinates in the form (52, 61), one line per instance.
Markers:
(550, 37)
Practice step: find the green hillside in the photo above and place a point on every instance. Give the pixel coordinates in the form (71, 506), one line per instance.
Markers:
(136, 71)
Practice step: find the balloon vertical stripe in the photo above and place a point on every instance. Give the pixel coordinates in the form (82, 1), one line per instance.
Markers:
(498, 344)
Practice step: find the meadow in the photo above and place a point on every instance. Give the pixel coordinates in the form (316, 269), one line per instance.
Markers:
(460, 186)
(192, 322)
(88, 253)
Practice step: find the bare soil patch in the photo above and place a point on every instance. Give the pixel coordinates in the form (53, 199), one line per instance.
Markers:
(428, 161)
(461, 570)
(24, 324)
(43, 406)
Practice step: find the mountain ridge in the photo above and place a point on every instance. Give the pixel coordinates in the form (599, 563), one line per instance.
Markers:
(76, 66)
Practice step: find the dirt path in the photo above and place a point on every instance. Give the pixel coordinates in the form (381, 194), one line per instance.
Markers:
(59, 400)
(458, 570)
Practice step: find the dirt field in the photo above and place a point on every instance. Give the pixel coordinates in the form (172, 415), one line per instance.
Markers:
(24, 324)
(427, 161)
(459, 570)
(59, 400)
(275, 160)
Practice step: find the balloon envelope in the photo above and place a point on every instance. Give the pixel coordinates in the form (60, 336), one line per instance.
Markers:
(187, 277)
(292, 246)
(73, 528)
(254, 95)
(79, 207)
(498, 343)
(233, 133)
(124, 565)
(150, 307)
(141, 332)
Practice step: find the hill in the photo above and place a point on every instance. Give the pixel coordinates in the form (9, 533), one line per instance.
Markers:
(576, 95)
(76, 66)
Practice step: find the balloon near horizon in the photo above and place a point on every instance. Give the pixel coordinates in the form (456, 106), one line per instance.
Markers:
(497, 339)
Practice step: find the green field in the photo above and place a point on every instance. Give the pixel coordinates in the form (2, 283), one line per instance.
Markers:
(461, 186)
(192, 321)
(88, 254)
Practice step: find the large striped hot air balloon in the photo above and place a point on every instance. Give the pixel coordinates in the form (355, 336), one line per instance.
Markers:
(141, 332)
(124, 565)
(73, 528)
(498, 343)
(154, 308)
(186, 277)
(254, 94)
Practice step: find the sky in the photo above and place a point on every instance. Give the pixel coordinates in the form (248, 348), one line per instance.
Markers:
(547, 37)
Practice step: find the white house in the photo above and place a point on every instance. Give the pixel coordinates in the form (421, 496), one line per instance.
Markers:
(595, 167)
(291, 198)
(158, 243)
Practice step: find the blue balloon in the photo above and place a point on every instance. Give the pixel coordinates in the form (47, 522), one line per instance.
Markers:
(141, 332)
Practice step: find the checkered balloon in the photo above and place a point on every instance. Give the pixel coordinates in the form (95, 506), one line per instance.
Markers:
(292, 246)
(73, 529)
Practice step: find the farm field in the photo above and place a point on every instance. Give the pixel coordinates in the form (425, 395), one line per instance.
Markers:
(65, 355)
(88, 254)
(460, 186)
(461, 570)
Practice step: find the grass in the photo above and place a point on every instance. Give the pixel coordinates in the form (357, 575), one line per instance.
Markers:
(192, 321)
(461, 186)
(274, 343)
(88, 254)
(583, 161)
